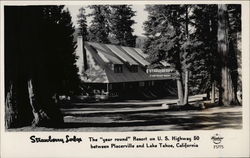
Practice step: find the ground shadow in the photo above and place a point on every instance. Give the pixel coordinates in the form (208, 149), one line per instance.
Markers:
(178, 122)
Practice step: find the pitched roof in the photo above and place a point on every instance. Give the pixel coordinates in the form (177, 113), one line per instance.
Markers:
(106, 54)
(129, 55)
(121, 54)
(133, 53)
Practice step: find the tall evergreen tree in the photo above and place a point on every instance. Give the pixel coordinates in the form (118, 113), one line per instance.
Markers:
(99, 28)
(234, 19)
(208, 71)
(209, 46)
(205, 72)
(61, 48)
(121, 22)
(167, 32)
(228, 91)
(39, 63)
(82, 22)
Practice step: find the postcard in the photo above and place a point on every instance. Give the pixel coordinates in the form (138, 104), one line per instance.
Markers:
(124, 79)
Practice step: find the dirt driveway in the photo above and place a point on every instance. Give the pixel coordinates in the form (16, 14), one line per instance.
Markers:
(208, 119)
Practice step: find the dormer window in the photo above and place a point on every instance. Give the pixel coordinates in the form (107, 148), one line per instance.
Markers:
(117, 68)
(133, 68)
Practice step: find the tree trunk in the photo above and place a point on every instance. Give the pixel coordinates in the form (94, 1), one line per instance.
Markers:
(85, 64)
(233, 51)
(186, 87)
(208, 95)
(186, 65)
(11, 112)
(180, 89)
(228, 95)
(213, 93)
(40, 117)
(22, 106)
(18, 112)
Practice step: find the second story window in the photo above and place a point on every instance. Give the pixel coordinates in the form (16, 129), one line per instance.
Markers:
(133, 68)
(117, 68)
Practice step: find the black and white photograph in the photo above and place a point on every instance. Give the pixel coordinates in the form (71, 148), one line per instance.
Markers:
(126, 67)
(177, 68)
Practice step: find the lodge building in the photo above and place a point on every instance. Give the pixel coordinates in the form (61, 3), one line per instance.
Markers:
(118, 71)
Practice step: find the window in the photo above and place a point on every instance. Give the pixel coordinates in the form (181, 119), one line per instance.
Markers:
(110, 86)
(141, 84)
(133, 68)
(117, 68)
(151, 83)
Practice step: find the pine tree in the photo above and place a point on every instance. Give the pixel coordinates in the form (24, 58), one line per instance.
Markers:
(234, 19)
(17, 109)
(209, 62)
(99, 28)
(82, 22)
(40, 61)
(196, 50)
(205, 72)
(61, 48)
(121, 22)
(168, 40)
(228, 91)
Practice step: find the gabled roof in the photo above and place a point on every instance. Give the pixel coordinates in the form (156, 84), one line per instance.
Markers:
(133, 53)
(126, 55)
(105, 55)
